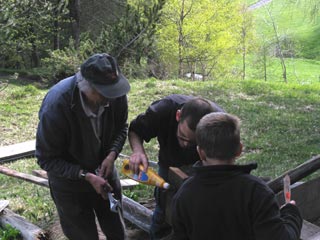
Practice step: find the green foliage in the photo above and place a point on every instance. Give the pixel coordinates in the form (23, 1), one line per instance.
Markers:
(298, 70)
(26, 31)
(200, 36)
(133, 37)
(63, 63)
(29, 90)
(139, 193)
(9, 233)
(299, 33)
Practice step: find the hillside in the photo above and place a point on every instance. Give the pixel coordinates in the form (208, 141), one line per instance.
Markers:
(298, 30)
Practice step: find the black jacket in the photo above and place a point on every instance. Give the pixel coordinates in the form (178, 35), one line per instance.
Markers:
(65, 141)
(159, 121)
(227, 203)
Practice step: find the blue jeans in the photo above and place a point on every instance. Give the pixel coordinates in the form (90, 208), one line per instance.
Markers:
(159, 227)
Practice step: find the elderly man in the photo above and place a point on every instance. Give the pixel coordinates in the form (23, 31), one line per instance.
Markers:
(82, 128)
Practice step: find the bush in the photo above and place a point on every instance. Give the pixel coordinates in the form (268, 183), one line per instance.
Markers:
(64, 63)
(9, 233)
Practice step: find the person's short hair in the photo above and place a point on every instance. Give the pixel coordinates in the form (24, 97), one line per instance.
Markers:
(193, 110)
(83, 84)
(218, 135)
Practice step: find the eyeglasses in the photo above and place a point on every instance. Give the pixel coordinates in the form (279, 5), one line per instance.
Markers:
(182, 137)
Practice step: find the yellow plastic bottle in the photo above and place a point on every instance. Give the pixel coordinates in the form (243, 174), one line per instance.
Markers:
(150, 177)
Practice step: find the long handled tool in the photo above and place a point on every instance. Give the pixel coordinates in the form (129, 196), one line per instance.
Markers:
(287, 188)
(115, 206)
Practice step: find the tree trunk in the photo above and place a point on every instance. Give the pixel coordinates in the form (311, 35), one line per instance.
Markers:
(74, 9)
(283, 64)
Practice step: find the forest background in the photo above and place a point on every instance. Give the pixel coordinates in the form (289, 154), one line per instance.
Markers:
(258, 61)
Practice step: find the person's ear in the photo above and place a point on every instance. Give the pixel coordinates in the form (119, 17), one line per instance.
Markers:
(239, 150)
(178, 115)
(201, 154)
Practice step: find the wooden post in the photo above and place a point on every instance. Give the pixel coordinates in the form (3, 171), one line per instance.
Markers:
(296, 174)
(24, 176)
(28, 230)
(132, 211)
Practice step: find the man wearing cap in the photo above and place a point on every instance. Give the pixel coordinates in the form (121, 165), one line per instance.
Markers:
(82, 128)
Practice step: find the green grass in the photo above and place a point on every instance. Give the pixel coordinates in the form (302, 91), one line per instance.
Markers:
(301, 71)
(293, 21)
(9, 233)
(280, 129)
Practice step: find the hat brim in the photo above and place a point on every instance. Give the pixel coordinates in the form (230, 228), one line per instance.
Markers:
(121, 88)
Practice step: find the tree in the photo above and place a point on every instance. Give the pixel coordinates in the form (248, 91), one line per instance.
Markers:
(199, 34)
(246, 35)
(27, 29)
(279, 47)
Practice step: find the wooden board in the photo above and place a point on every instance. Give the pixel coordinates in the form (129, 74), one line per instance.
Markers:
(309, 231)
(132, 211)
(28, 230)
(125, 183)
(17, 151)
(27, 149)
(297, 173)
(3, 204)
(24, 176)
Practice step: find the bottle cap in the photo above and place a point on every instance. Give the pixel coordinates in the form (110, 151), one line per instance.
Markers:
(166, 185)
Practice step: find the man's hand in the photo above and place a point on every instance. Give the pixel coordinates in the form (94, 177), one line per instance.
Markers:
(100, 184)
(107, 165)
(136, 159)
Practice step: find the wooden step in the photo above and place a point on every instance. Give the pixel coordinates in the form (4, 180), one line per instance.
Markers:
(17, 151)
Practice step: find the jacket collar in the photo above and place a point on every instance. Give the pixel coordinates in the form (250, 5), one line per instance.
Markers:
(247, 168)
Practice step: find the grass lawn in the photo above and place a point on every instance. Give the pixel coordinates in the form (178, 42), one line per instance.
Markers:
(280, 128)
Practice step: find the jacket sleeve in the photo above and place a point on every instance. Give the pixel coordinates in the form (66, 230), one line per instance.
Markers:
(121, 127)
(269, 222)
(147, 125)
(52, 140)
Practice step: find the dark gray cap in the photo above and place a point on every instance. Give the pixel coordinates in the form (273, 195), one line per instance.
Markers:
(103, 72)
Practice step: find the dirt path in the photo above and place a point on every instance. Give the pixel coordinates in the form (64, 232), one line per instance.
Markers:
(133, 233)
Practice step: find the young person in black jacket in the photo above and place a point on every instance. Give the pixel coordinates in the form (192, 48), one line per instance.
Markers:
(222, 200)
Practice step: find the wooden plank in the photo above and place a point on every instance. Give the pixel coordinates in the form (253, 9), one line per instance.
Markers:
(137, 213)
(307, 197)
(17, 151)
(132, 211)
(28, 230)
(128, 183)
(3, 204)
(309, 231)
(297, 173)
(27, 149)
(176, 177)
(24, 176)
(125, 183)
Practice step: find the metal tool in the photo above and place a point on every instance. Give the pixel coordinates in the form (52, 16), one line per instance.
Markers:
(287, 188)
(114, 203)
